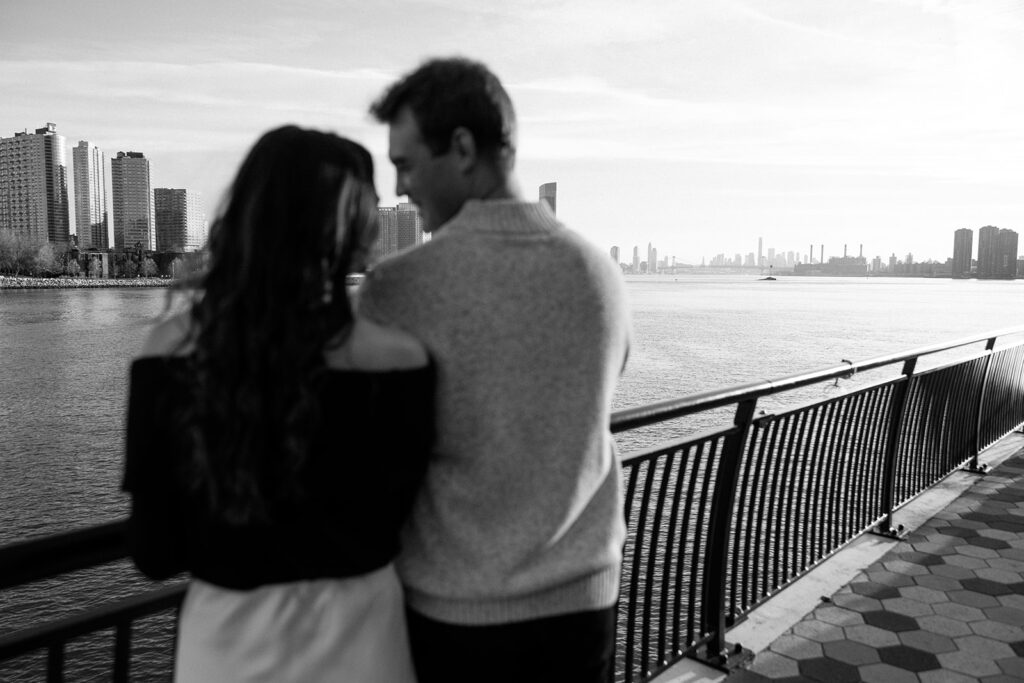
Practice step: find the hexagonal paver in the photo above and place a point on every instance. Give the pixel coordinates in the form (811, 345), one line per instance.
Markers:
(1012, 666)
(973, 599)
(909, 568)
(979, 585)
(890, 621)
(941, 583)
(969, 663)
(796, 647)
(907, 607)
(945, 626)
(927, 641)
(871, 635)
(957, 531)
(990, 543)
(965, 557)
(886, 673)
(890, 578)
(1015, 600)
(774, 665)
(818, 631)
(952, 571)
(1006, 615)
(984, 647)
(871, 589)
(998, 575)
(946, 676)
(996, 630)
(829, 670)
(929, 596)
(909, 658)
(923, 559)
(974, 551)
(838, 616)
(851, 652)
(955, 610)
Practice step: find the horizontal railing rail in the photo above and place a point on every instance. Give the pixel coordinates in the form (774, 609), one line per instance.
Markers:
(717, 521)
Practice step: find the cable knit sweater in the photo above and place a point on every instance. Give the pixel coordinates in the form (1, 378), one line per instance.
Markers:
(520, 516)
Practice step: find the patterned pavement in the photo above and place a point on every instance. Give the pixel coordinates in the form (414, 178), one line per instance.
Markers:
(945, 604)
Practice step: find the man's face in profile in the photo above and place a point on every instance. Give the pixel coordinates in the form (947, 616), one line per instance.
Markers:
(431, 181)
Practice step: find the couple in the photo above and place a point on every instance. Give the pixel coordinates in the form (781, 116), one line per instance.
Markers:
(291, 453)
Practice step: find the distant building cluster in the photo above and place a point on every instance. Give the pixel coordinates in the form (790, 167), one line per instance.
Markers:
(34, 201)
(398, 227)
(652, 265)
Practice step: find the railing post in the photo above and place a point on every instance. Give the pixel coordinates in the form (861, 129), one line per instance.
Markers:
(897, 412)
(716, 652)
(974, 466)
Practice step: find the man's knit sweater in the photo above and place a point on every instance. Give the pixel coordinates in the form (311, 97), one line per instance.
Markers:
(521, 513)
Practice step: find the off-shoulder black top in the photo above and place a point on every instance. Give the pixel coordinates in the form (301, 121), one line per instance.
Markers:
(363, 472)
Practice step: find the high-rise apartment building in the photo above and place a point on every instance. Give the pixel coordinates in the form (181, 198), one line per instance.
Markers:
(34, 186)
(409, 226)
(398, 227)
(963, 243)
(636, 258)
(134, 222)
(91, 220)
(997, 253)
(548, 192)
(180, 223)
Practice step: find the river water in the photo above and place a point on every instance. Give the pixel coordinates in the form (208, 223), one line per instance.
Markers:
(64, 357)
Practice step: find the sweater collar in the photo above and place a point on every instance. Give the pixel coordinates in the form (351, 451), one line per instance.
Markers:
(502, 216)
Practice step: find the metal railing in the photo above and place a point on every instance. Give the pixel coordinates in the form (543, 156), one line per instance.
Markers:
(720, 521)
(717, 522)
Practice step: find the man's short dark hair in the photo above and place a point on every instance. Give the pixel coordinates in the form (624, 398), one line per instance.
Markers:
(445, 94)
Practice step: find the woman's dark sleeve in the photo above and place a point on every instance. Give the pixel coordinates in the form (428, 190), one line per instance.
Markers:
(156, 524)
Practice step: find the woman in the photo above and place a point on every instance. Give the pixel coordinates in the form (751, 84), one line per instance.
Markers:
(274, 441)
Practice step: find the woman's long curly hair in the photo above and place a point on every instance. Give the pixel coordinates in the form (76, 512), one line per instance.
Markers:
(299, 217)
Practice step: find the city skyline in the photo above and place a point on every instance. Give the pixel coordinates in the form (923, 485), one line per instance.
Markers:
(688, 125)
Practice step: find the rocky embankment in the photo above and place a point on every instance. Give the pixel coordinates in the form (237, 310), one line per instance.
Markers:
(7, 282)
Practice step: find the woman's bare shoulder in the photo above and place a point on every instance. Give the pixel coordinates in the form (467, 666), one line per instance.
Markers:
(371, 346)
(166, 337)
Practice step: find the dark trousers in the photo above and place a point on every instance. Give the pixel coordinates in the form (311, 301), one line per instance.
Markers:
(568, 648)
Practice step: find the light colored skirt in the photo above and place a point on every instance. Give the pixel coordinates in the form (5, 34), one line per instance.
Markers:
(350, 629)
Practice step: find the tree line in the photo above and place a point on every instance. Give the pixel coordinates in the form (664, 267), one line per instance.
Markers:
(21, 256)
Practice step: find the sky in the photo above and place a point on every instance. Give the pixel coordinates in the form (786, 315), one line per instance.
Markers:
(697, 126)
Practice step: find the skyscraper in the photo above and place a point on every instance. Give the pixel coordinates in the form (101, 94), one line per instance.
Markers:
(636, 259)
(179, 219)
(91, 220)
(34, 185)
(409, 227)
(387, 232)
(1006, 258)
(963, 242)
(133, 201)
(547, 194)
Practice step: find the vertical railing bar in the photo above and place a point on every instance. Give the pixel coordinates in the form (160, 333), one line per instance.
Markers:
(711, 470)
(989, 346)
(716, 557)
(811, 423)
(805, 514)
(760, 548)
(896, 422)
(741, 532)
(755, 455)
(652, 557)
(814, 474)
(771, 539)
(636, 569)
(691, 617)
(122, 651)
(821, 453)
(879, 415)
(680, 548)
(859, 453)
(835, 452)
(55, 663)
(790, 499)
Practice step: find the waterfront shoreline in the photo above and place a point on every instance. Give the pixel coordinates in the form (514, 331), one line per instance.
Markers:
(9, 282)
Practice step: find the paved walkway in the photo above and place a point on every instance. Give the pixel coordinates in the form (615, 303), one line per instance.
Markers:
(945, 604)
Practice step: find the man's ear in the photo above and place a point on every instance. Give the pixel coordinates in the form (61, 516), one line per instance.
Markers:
(464, 147)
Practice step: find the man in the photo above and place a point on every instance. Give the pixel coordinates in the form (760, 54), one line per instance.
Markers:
(511, 556)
